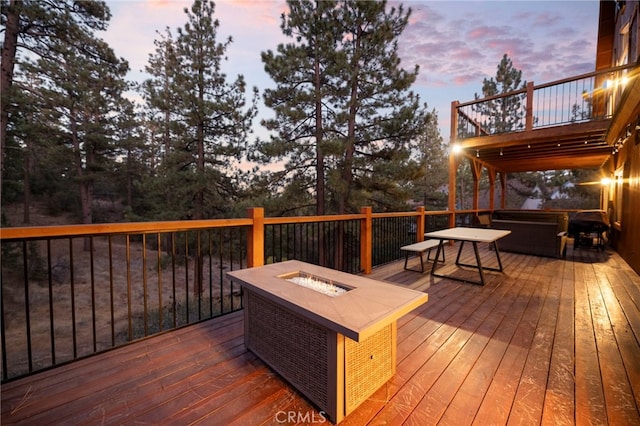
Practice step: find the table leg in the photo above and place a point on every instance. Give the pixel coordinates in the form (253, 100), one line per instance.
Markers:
(440, 247)
(486, 268)
(479, 266)
(475, 249)
(459, 252)
(495, 246)
(436, 259)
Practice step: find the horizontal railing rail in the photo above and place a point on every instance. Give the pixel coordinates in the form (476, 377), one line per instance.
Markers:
(71, 291)
(582, 98)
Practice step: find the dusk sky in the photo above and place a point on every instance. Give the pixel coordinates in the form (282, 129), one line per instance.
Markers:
(456, 43)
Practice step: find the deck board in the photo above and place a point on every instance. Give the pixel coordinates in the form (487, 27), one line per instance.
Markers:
(550, 341)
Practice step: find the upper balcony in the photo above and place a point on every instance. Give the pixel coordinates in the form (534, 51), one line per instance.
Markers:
(565, 124)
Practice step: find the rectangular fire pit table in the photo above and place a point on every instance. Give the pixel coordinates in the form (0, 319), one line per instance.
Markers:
(336, 350)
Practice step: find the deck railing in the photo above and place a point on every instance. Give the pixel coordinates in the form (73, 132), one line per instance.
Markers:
(578, 99)
(72, 291)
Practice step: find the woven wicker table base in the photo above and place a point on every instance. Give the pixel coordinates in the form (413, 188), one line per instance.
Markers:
(334, 372)
(335, 350)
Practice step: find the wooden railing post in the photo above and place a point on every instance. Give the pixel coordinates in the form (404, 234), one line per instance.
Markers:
(366, 240)
(476, 173)
(528, 124)
(453, 168)
(255, 238)
(453, 163)
(420, 227)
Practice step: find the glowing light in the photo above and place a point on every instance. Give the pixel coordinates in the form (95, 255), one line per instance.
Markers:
(605, 181)
(456, 148)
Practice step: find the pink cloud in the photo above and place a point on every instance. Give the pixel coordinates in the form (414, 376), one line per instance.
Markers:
(484, 31)
(546, 19)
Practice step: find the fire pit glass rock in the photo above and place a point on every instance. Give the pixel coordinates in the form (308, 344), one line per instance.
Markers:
(318, 284)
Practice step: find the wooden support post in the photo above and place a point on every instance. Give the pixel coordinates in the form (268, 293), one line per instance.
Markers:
(255, 238)
(453, 164)
(503, 181)
(476, 172)
(366, 240)
(492, 187)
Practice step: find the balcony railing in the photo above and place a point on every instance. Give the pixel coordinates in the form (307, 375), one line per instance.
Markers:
(587, 97)
(72, 291)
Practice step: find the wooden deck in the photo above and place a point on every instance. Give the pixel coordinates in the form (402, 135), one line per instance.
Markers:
(550, 341)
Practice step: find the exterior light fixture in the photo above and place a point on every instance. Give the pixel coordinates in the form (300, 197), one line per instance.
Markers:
(456, 148)
(477, 153)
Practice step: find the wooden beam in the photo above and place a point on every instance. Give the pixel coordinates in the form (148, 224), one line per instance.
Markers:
(538, 136)
(476, 172)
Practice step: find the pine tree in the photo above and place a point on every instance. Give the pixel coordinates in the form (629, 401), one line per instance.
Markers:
(69, 86)
(341, 93)
(304, 72)
(504, 114)
(38, 27)
(381, 117)
(132, 153)
(157, 92)
(205, 119)
(79, 94)
(433, 165)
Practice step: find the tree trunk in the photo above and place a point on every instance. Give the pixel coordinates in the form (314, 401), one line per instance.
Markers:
(319, 158)
(26, 205)
(200, 187)
(9, 46)
(129, 181)
(84, 185)
(350, 149)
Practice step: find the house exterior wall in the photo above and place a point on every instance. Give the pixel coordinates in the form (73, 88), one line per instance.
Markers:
(622, 197)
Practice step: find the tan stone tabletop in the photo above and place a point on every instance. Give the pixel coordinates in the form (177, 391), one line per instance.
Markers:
(366, 308)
